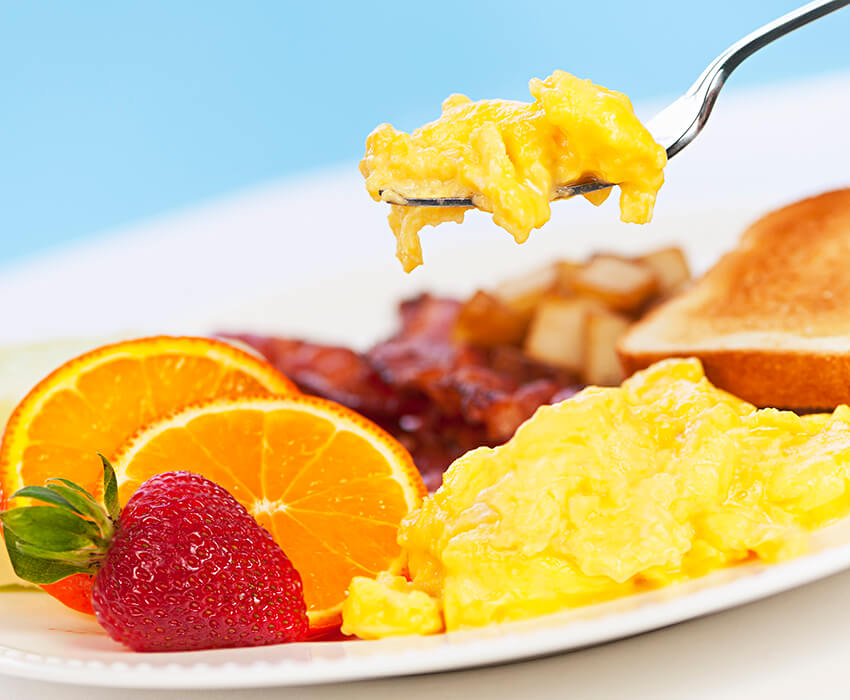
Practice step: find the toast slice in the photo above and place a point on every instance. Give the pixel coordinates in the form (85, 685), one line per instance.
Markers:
(771, 320)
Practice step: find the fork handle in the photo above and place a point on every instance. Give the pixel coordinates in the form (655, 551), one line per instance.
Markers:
(732, 57)
(707, 87)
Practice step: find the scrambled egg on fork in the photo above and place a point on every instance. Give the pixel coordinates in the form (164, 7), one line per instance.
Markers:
(509, 156)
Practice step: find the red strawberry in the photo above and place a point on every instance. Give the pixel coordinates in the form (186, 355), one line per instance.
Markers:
(184, 566)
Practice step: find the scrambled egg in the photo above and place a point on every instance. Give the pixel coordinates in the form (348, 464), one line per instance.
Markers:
(611, 492)
(509, 156)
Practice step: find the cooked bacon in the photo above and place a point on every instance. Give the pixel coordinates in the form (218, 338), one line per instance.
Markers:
(332, 372)
(498, 388)
(423, 351)
(438, 397)
(428, 316)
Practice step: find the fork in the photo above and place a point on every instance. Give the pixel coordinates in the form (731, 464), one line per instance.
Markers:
(680, 122)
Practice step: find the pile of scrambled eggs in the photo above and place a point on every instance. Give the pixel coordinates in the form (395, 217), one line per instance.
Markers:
(610, 492)
(509, 156)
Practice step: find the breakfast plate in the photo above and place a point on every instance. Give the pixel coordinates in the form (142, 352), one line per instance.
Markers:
(236, 267)
(41, 639)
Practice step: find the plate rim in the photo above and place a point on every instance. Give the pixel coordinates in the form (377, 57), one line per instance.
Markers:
(453, 651)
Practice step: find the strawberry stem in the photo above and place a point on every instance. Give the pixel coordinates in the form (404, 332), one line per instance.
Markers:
(69, 535)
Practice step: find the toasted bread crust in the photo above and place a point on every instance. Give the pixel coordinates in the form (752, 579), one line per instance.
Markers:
(771, 320)
(781, 379)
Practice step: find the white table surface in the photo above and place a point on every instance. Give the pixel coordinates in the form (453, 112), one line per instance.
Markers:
(761, 149)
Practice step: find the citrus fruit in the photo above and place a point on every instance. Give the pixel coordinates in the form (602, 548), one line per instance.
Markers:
(96, 401)
(330, 486)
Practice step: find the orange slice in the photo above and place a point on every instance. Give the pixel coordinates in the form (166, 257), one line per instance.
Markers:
(96, 401)
(329, 486)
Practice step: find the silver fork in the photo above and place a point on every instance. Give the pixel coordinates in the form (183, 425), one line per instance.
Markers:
(679, 123)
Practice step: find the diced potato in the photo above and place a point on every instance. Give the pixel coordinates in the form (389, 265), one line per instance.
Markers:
(670, 267)
(526, 292)
(556, 334)
(566, 272)
(603, 329)
(487, 321)
(570, 315)
(620, 284)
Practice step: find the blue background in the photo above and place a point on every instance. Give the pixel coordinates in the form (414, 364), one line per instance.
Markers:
(114, 111)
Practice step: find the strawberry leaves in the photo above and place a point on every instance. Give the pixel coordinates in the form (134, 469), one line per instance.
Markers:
(69, 535)
(51, 528)
(35, 569)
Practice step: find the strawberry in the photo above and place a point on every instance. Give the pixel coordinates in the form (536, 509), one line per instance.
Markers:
(183, 566)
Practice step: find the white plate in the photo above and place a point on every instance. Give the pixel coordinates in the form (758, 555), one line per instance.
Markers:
(313, 259)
